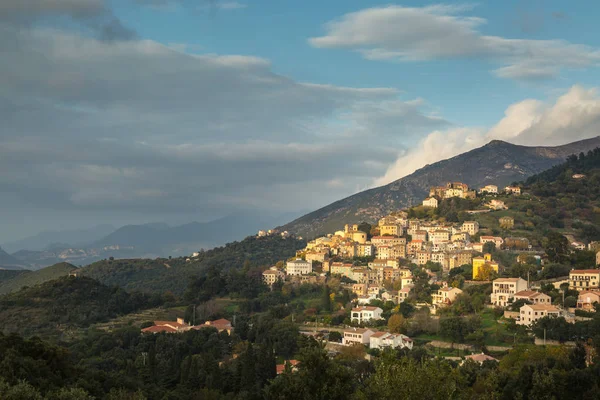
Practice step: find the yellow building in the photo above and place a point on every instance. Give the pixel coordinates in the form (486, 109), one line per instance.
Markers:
(392, 230)
(483, 267)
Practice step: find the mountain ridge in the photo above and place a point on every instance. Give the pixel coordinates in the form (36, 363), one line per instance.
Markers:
(497, 162)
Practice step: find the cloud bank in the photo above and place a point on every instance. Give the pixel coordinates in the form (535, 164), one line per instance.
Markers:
(396, 33)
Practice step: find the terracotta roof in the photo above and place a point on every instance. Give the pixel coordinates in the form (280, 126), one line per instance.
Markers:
(159, 329)
(526, 293)
(480, 357)
(542, 307)
(585, 271)
(366, 308)
(171, 323)
(506, 279)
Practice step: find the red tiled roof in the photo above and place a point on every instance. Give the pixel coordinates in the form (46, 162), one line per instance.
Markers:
(158, 329)
(585, 271)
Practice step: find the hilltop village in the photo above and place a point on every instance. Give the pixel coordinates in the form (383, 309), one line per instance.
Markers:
(419, 256)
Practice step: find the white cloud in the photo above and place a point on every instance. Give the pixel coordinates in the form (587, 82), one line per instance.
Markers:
(573, 116)
(439, 32)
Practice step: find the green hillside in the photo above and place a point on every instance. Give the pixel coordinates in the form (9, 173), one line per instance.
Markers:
(56, 307)
(31, 278)
(8, 274)
(162, 274)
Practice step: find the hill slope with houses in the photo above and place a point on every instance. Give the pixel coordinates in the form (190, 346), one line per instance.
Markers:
(498, 163)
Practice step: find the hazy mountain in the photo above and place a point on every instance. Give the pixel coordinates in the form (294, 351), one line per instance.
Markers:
(498, 163)
(164, 240)
(49, 240)
(9, 262)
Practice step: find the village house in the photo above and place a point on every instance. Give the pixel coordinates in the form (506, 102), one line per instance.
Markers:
(319, 256)
(506, 222)
(365, 314)
(498, 241)
(360, 289)
(382, 340)
(392, 230)
(438, 236)
(480, 358)
(298, 267)
(587, 299)
(403, 293)
(512, 190)
(423, 256)
(221, 325)
(390, 295)
(272, 275)
(578, 245)
(343, 269)
(366, 299)
(430, 202)
(530, 313)
(495, 204)
(533, 297)
(504, 290)
(383, 251)
(460, 237)
(584, 279)
(471, 227)
(459, 258)
(414, 246)
(293, 364)
(483, 264)
(420, 235)
(355, 336)
(491, 189)
(478, 247)
(168, 327)
(445, 296)
(387, 241)
(365, 250)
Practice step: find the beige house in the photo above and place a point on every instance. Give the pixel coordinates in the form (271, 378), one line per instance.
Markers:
(492, 189)
(403, 293)
(357, 336)
(586, 300)
(423, 256)
(272, 275)
(471, 227)
(512, 189)
(365, 250)
(584, 279)
(497, 240)
(530, 313)
(440, 235)
(533, 297)
(506, 222)
(393, 230)
(431, 202)
(504, 290)
(445, 296)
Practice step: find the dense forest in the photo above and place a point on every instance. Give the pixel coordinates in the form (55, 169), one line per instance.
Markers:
(56, 307)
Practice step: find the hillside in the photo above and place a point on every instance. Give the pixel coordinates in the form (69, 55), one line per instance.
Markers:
(162, 274)
(31, 278)
(66, 303)
(44, 240)
(498, 163)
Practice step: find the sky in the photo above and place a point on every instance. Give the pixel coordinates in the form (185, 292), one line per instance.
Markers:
(137, 111)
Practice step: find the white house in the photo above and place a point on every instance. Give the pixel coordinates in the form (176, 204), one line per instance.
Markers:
(445, 296)
(365, 314)
(430, 202)
(356, 336)
(381, 340)
(504, 290)
(299, 267)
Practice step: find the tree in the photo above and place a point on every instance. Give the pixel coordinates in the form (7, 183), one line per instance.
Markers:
(326, 298)
(556, 247)
(396, 323)
(489, 247)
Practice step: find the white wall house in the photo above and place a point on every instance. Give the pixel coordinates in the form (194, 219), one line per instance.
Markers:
(381, 340)
(530, 313)
(298, 267)
(365, 314)
(356, 336)
(504, 290)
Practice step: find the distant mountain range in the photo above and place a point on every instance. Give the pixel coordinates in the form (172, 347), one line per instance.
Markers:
(498, 163)
(50, 240)
(134, 241)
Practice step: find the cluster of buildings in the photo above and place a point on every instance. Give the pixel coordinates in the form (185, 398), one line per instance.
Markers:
(461, 190)
(180, 326)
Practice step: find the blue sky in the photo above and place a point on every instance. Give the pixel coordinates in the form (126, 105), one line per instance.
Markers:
(135, 111)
